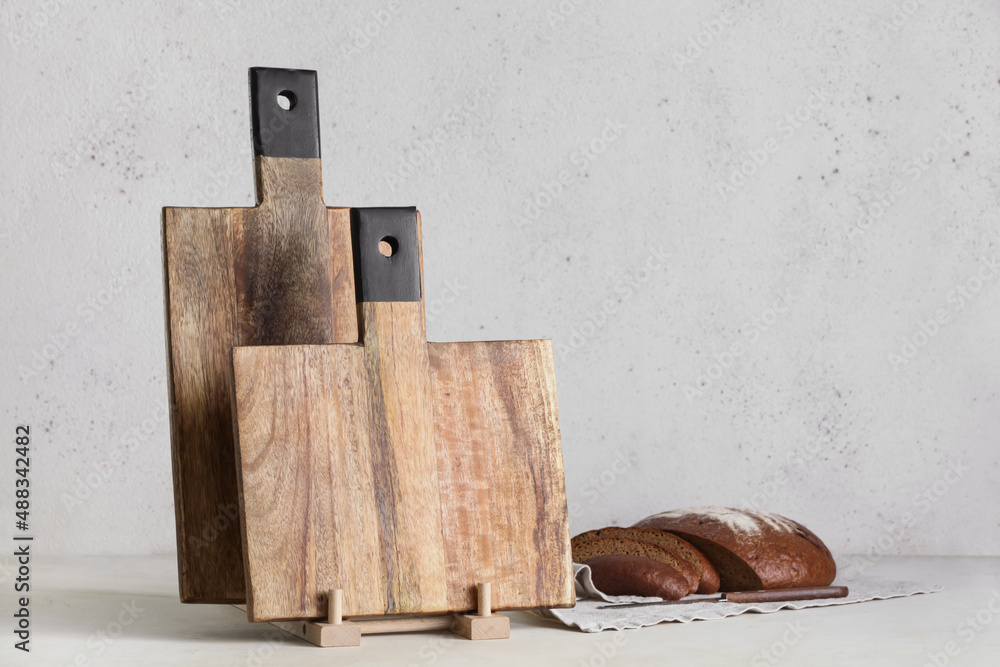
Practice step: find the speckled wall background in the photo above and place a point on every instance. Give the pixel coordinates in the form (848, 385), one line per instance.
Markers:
(763, 236)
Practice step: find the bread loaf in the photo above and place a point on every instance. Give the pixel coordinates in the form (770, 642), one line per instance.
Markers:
(618, 574)
(708, 577)
(584, 551)
(751, 549)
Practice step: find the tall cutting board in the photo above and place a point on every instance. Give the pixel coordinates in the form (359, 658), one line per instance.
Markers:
(275, 274)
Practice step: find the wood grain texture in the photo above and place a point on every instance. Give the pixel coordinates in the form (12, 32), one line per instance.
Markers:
(401, 472)
(201, 305)
(330, 500)
(405, 464)
(284, 281)
(482, 627)
(500, 468)
(279, 273)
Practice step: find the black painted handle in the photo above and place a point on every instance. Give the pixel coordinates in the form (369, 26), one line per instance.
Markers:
(279, 131)
(386, 254)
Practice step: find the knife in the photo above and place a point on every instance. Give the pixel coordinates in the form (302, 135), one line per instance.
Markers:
(774, 595)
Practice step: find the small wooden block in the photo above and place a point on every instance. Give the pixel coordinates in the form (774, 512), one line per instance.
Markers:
(323, 634)
(339, 635)
(494, 626)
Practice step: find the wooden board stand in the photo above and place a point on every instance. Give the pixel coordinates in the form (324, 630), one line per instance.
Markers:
(338, 632)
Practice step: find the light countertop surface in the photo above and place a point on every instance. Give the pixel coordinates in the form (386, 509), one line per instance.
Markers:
(125, 611)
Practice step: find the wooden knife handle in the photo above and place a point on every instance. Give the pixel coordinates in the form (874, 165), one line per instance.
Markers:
(782, 594)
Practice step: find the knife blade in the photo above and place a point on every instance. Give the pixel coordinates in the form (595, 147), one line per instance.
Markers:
(773, 595)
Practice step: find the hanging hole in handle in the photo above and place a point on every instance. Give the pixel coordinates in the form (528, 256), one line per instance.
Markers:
(388, 246)
(286, 100)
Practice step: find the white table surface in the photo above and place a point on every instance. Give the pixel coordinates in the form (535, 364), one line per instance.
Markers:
(77, 604)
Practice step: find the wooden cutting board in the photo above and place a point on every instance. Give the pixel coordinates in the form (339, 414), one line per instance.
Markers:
(275, 274)
(400, 471)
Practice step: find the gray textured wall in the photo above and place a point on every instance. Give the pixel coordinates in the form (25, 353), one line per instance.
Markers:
(762, 234)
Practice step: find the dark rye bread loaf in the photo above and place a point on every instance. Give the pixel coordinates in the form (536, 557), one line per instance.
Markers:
(708, 577)
(618, 574)
(752, 550)
(604, 546)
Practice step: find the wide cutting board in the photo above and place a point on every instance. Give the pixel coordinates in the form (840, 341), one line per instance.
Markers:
(400, 471)
(275, 274)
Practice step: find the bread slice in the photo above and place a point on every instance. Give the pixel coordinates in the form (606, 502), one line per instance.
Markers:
(603, 546)
(708, 576)
(617, 574)
(752, 550)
